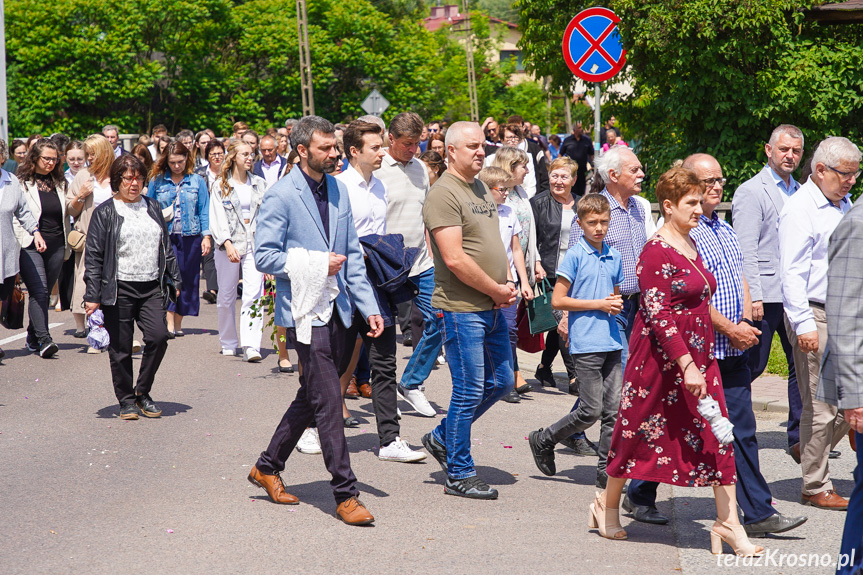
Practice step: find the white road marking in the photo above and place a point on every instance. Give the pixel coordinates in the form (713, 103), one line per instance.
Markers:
(24, 334)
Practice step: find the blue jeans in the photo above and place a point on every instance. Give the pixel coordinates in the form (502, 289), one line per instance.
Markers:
(427, 349)
(480, 361)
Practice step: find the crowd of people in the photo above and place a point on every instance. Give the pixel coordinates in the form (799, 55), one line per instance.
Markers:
(449, 233)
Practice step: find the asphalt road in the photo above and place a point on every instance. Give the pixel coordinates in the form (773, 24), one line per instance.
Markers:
(84, 492)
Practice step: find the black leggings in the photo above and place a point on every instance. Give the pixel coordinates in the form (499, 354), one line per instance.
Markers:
(40, 271)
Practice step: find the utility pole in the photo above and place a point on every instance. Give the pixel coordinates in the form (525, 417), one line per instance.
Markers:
(4, 111)
(471, 74)
(305, 60)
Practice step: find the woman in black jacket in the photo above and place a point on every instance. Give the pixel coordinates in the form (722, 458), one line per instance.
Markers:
(554, 213)
(131, 271)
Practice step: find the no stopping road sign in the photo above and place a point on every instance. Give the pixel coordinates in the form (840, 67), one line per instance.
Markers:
(591, 45)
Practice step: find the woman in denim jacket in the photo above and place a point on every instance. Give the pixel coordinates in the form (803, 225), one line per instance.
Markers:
(235, 198)
(185, 203)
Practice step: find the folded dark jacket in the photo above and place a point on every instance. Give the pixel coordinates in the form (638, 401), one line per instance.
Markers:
(388, 264)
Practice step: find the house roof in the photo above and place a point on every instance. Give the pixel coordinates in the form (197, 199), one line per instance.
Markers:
(450, 14)
(837, 12)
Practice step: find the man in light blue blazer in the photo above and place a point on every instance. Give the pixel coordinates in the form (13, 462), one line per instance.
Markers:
(310, 209)
(755, 211)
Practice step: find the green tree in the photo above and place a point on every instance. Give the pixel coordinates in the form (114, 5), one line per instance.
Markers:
(716, 76)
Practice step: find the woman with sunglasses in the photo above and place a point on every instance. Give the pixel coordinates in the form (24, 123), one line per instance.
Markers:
(44, 186)
(185, 201)
(130, 270)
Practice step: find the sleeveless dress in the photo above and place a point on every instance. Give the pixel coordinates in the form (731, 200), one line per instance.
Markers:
(659, 435)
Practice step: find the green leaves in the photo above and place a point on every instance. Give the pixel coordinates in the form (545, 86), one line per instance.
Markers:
(75, 65)
(717, 76)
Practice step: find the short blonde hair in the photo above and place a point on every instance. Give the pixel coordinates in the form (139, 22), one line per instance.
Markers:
(508, 157)
(564, 162)
(493, 176)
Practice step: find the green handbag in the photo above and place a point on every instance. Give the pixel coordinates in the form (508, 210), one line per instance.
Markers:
(539, 312)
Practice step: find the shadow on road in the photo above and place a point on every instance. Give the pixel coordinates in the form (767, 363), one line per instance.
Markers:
(169, 408)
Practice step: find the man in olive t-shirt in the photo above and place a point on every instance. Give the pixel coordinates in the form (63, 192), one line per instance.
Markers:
(470, 288)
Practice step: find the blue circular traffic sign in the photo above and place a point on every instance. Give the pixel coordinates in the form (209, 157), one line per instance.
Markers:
(591, 45)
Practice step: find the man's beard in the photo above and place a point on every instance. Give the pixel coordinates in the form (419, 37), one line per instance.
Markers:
(323, 167)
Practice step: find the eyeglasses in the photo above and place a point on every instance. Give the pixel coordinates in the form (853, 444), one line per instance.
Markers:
(713, 181)
(49, 159)
(246, 155)
(129, 179)
(846, 175)
(504, 189)
(433, 130)
(511, 138)
(217, 156)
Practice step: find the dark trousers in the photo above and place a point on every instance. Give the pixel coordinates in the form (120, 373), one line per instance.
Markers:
(774, 322)
(208, 263)
(852, 538)
(417, 323)
(382, 358)
(753, 493)
(139, 302)
(67, 283)
(405, 324)
(39, 272)
(319, 398)
(552, 346)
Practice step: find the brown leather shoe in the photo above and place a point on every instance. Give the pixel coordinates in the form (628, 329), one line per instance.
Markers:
(353, 512)
(273, 485)
(365, 389)
(825, 500)
(351, 392)
(794, 452)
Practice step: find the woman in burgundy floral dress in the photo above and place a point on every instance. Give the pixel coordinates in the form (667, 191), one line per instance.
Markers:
(659, 435)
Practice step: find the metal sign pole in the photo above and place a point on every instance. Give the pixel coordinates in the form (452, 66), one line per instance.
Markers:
(597, 117)
(4, 111)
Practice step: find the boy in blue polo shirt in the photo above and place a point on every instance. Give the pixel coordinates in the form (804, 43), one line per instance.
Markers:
(588, 287)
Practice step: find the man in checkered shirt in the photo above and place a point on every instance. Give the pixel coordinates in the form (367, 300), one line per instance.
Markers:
(735, 333)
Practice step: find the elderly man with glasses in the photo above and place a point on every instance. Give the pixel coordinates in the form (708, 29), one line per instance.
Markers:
(805, 225)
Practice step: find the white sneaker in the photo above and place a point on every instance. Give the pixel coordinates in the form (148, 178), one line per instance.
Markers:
(417, 399)
(400, 451)
(441, 359)
(309, 442)
(226, 351)
(251, 355)
(136, 346)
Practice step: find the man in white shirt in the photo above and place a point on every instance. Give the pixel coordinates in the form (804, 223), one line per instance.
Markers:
(112, 132)
(363, 143)
(407, 182)
(159, 130)
(805, 224)
(271, 163)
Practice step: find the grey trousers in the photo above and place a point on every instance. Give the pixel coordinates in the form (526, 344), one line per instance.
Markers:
(600, 377)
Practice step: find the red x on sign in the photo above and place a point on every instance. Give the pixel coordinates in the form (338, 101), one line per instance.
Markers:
(591, 45)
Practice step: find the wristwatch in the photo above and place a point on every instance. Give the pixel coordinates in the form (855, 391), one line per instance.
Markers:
(749, 321)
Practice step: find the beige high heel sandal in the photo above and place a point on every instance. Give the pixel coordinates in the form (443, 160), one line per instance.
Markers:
(737, 540)
(598, 519)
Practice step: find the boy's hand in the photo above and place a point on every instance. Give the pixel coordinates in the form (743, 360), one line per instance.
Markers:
(563, 330)
(612, 304)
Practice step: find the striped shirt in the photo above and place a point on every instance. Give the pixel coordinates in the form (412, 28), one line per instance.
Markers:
(626, 234)
(720, 251)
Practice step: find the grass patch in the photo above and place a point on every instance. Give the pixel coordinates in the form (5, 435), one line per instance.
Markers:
(777, 364)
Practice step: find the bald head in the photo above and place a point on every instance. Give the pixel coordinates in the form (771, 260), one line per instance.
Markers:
(709, 173)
